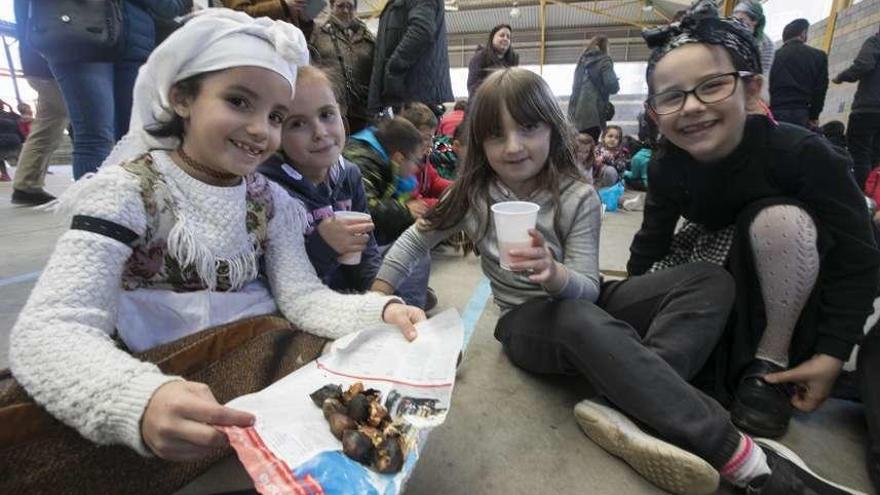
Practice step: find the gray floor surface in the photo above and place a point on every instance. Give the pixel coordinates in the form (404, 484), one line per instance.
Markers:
(508, 432)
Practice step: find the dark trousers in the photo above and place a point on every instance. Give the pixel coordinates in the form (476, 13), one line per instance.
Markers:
(797, 116)
(863, 141)
(868, 371)
(638, 346)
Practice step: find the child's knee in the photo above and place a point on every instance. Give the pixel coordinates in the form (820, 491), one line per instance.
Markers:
(781, 226)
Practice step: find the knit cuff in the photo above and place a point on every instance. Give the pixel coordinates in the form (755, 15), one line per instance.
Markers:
(124, 421)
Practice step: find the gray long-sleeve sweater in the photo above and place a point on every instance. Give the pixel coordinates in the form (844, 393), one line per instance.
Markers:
(578, 249)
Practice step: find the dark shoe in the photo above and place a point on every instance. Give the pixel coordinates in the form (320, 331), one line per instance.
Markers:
(760, 408)
(31, 199)
(430, 300)
(789, 475)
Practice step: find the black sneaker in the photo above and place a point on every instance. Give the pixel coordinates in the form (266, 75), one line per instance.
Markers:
(760, 408)
(790, 475)
(31, 198)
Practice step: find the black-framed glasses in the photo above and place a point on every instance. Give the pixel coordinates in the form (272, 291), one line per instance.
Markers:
(712, 90)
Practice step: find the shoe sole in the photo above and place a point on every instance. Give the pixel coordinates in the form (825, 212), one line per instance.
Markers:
(790, 455)
(755, 422)
(663, 464)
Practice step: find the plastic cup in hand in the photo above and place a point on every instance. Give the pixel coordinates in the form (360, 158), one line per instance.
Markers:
(351, 258)
(513, 219)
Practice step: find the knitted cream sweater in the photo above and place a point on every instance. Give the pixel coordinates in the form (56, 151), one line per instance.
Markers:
(61, 350)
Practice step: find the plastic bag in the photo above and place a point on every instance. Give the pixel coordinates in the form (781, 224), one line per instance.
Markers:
(611, 195)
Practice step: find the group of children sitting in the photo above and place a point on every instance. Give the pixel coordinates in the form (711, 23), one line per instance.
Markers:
(614, 159)
(178, 218)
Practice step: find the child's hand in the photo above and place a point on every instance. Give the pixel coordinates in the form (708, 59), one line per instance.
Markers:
(345, 236)
(813, 380)
(404, 317)
(180, 419)
(417, 208)
(538, 261)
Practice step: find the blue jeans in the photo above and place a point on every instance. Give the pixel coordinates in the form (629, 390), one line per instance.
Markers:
(414, 288)
(98, 96)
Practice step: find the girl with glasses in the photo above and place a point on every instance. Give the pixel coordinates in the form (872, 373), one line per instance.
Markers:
(772, 203)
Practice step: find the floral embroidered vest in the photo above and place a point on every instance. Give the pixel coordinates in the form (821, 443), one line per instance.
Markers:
(152, 266)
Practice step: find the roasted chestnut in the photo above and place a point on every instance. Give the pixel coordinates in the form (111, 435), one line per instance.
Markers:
(353, 390)
(357, 446)
(326, 392)
(359, 408)
(389, 456)
(377, 413)
(339, 423)
(332, 406)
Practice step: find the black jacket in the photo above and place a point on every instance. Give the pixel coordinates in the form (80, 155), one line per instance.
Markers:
(799, 78)
(865, 70)
(32, 63)
(773, 161)
(411, 62)
(484, 62)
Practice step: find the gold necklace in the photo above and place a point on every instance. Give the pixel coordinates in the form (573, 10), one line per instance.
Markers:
(192, 163)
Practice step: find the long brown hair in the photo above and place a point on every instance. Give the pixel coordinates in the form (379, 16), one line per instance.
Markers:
(529, 101)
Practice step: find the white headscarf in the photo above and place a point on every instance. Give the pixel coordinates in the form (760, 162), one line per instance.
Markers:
(211, 40)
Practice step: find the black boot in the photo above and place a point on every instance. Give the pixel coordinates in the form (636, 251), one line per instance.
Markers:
(760, 408)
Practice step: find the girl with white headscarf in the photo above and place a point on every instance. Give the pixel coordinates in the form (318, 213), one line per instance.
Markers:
(177, 233)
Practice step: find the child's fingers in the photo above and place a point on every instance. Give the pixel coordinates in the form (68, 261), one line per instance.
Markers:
(537, 238)
(215, 414)
(361, 227)
(532, 253)
(201, 435)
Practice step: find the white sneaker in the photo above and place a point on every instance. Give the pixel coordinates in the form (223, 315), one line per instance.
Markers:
(635, 204)
(663, 464)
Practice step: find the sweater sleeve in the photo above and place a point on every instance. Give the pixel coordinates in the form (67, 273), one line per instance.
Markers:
(820, 88)
(582, 251)
(300, 295)
(651, 242)
(865, 62)
(60, 346)
(849, 270)
(413, 245)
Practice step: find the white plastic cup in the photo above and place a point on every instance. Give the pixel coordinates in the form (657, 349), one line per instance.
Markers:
(351, 258)
(513, 219)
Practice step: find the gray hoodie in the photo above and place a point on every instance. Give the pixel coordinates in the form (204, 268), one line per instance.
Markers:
(578, 250)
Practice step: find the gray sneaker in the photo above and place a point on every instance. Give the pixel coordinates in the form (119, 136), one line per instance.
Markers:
(663, 464)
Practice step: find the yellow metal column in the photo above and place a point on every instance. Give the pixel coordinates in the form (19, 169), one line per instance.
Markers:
(837, 7)
(727, 7)
(543, 19)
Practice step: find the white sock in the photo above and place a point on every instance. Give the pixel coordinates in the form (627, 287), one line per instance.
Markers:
(746, 464)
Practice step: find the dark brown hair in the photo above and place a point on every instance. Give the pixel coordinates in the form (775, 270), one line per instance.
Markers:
(529, 100)
(188, 88)
(398, 134)
(419, 114)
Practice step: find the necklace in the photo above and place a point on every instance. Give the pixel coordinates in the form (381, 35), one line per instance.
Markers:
(193, 164)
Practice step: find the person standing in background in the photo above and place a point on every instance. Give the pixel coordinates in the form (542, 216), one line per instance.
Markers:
(799, 78)
(98, 92)
(411, 61)
(344, 46)
(48, 126)
(751, 14)
(497, 54)
(292, 11)
(594, 82)
(863, 130)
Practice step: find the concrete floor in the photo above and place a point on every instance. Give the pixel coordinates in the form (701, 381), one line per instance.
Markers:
(508, 432)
